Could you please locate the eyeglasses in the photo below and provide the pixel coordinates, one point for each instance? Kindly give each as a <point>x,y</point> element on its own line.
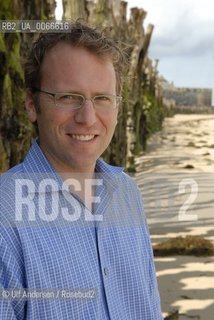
<point>74,101</point>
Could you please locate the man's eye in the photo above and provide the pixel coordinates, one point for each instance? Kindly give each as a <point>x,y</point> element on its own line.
<point>70,98</point>
<point>102,98</point>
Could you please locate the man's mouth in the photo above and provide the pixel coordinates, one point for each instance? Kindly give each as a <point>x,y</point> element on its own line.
<point>83,137</point>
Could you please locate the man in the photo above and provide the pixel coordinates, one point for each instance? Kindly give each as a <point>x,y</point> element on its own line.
<point>72,226</point>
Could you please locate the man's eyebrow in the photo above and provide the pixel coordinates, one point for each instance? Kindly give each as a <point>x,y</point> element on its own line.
<point>96,93</point>
<point>67,91</point>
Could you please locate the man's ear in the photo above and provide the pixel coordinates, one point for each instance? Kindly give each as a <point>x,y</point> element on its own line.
<point>30,107</point>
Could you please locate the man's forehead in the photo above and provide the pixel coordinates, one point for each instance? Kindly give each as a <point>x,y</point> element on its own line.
<point>60,53</point>
<point>60,47</point>
<point>65,47</point>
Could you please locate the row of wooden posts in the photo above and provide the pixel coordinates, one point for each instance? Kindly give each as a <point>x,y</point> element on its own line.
<point>142,110</point>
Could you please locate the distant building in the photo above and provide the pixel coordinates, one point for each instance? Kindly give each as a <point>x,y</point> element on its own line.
<point>174,96</point>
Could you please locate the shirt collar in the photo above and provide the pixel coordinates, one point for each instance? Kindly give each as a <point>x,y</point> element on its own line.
<point>37,167</point>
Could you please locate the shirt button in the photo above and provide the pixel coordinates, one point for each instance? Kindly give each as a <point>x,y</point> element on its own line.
<point>106,271</point>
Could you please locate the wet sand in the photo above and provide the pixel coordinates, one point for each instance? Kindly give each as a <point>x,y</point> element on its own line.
<point>176,176</point>
<point>185,140</point>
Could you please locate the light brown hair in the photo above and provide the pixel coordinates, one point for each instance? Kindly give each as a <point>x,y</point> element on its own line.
<point>79,35</point>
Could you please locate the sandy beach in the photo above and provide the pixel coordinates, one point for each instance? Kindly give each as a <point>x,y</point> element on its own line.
<point>176,176</point>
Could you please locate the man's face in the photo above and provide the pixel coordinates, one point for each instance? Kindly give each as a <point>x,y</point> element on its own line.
<point>73,140</point>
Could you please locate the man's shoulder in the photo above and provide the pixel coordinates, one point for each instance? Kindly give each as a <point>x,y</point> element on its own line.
<point>118,176</point>
<point>8,178</point>
<point>9,175</point>
<point>130,184</point>
<point>104,167</point>
<point>15,169</point>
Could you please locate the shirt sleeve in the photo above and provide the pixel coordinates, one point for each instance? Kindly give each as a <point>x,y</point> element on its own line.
<point>153,284</point>
<point>10,278</point>
<point>154,291</point>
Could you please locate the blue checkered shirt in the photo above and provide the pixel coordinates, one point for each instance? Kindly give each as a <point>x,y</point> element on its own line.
<point>92,270</point>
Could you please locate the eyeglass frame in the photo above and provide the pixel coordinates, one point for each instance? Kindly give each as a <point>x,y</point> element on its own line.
<point>118,99</point>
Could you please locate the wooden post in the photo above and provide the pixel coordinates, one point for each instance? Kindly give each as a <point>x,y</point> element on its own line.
<point>74,9</point>
<point>15,129</point>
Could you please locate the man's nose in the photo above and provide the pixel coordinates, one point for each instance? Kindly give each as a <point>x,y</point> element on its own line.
<point>86,114</point>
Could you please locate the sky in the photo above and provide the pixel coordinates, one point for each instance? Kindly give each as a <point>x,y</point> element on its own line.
<point>183,40</point>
